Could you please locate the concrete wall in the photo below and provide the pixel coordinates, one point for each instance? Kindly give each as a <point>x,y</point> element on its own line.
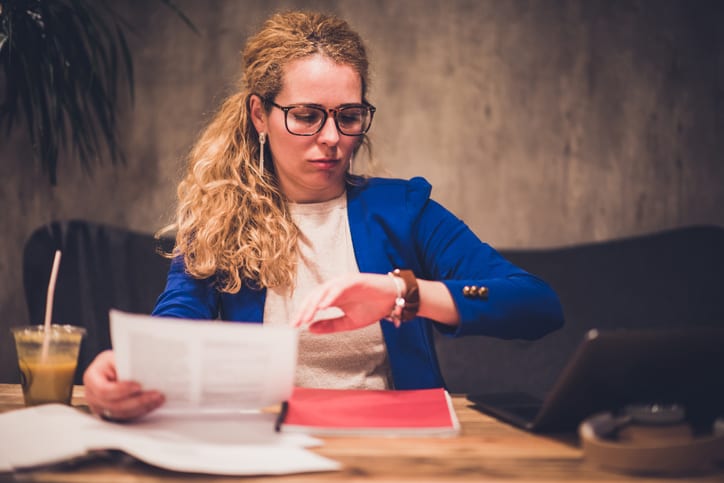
<point>541,123</point>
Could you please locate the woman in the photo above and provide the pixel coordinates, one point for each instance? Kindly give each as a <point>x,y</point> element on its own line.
<point>273,227</point>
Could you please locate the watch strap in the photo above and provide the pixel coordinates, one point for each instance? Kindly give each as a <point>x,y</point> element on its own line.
<point>411,295</point>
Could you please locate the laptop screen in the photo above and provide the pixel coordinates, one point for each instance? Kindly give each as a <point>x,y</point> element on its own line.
<point>613,368</point>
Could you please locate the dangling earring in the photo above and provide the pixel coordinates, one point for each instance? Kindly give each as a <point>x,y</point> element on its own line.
<point>349,168</point>
<point>262,142</point>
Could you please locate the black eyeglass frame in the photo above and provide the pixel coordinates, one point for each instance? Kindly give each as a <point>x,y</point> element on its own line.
<point>325,112</point>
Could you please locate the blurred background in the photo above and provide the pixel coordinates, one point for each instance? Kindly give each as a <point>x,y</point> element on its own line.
<point>540,123</point>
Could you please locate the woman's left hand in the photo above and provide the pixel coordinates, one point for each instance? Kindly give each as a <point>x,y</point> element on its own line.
<point>364,299</point>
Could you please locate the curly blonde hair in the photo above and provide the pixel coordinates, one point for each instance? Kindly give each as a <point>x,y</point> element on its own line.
<point>232,220</point>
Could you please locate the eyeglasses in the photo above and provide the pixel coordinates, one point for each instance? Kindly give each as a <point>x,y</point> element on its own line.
<point>308,119</point>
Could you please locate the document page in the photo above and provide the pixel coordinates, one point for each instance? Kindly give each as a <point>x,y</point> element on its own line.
<point>206,366</point>
<point>220,444</point>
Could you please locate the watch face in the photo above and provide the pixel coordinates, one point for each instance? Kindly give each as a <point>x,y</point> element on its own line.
<point>655,413</point>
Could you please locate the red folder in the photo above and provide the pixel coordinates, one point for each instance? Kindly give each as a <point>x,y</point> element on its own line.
<point>419,412</point>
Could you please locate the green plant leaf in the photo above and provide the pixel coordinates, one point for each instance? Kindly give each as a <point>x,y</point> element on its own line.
<point>62,60</point>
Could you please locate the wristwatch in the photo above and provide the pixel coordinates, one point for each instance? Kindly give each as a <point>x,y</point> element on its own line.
<point>407,303</point>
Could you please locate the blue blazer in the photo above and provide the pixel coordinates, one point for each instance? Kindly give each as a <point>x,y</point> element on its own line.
<point>395,224</point>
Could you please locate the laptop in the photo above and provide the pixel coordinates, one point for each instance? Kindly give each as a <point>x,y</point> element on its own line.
<point>613,368</point>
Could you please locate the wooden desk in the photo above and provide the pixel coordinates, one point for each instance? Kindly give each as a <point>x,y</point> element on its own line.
<point>486,450</point>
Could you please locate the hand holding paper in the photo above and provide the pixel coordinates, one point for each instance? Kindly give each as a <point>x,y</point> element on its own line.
<point>205,366</point>
<point>114,399</point>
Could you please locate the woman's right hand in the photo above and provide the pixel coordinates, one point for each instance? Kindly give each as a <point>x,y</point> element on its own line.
<point>113,399</point>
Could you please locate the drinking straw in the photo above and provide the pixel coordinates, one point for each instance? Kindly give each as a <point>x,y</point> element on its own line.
<point>49,304</point>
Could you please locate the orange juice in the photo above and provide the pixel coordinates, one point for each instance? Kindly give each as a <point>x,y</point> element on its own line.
<point>47,382</point>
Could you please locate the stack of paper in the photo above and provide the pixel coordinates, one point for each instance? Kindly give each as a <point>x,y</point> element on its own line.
<point>241,444</point>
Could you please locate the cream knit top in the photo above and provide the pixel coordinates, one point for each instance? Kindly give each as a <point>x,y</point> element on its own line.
<point>345,360</point>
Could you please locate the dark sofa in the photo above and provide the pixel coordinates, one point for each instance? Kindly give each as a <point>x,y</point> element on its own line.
<point>673,278</point>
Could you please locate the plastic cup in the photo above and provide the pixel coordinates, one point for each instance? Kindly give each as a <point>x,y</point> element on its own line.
<point>47,373</point>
